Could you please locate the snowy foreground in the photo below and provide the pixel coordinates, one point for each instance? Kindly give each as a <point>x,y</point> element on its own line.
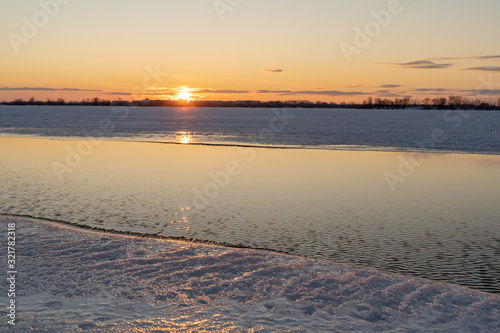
<point>73,280</point>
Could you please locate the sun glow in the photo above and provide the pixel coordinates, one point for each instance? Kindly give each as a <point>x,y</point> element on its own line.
<point>184,95</point>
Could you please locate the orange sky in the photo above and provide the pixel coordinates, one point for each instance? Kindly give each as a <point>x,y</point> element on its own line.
<point>327,50</point>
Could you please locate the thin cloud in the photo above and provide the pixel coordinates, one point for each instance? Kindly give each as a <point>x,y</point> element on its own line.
<point>389,94</point>
<point>274,70</point>
<point>221,91</point>
<point>483,92</point>
<point>431,90</point>
<point>333,93</point>
<point>161,91</point>
<point>118,93</point>
<point>45,89</point>
<point>484,69</point>
<point>155,92</point>
<point>274,92</point>
<point>443,91</point>
<point>488,57</point>
<point>494,57</point>
<point>420,64</point>
<point>391,86</point>
<point>436,91</point>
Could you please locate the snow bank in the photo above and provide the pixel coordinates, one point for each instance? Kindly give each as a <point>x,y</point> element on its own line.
<point>73,280</point>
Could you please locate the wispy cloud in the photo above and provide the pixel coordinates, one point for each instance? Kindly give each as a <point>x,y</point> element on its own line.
<point>431,90</point>
<point>435,63</point>
<point>118,93</point>
<point>484,69</point>
<point>220,91</point>
<point>274,70</point>
<point>390,94</point>
<point>156,91</point>
<point>419,64</point>
<point>493,57</point>
<point>468,92</point>
<point>391,86</point>
<point>312,92</point>
<point>487,57</point>
<point>274,92</point>
<point>331,93</point>
<point>175,91</point>
<point>45,89</point>
<point>483,92</point>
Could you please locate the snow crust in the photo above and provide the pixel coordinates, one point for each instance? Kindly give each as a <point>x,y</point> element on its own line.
<point>71,280</point>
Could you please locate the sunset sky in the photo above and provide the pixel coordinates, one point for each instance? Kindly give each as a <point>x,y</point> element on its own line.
<point>249,49</point>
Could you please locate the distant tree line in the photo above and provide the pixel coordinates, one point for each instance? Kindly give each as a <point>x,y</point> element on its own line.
<point>440,103</point>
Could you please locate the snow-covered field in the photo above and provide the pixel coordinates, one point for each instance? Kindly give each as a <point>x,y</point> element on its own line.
<point>71,280</point>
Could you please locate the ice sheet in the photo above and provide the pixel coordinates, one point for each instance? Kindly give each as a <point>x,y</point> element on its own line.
<point>468,131</point>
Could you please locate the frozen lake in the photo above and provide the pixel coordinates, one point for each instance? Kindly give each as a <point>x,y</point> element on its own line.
<point>423,130</point>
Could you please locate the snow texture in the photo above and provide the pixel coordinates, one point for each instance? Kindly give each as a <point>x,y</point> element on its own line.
<point>71,280</point>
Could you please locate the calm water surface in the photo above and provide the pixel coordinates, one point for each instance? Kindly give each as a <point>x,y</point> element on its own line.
<point>440,222</point>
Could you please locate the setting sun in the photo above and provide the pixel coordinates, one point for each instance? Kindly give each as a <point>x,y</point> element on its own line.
<point>184,95</point>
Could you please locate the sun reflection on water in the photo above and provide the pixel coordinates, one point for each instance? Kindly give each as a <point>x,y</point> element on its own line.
<point>184,138</point>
